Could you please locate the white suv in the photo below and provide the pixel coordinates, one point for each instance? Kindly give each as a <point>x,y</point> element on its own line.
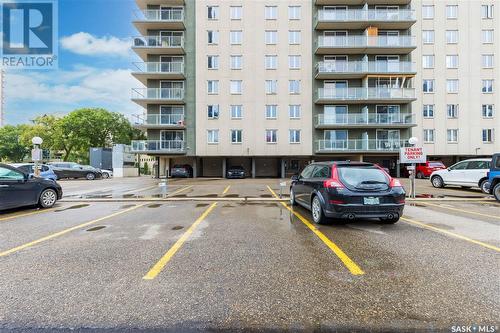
<point>468,173</point>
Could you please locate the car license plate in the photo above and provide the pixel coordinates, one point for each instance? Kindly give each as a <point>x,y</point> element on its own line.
<point>371,201</point>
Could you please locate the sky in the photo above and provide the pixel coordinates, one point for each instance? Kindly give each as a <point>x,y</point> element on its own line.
<point>95,60</point>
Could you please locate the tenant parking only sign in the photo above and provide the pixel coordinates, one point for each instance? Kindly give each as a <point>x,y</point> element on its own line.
<point>410,155</point>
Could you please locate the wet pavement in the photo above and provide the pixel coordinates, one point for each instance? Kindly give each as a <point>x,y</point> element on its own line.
<point>235,266</point>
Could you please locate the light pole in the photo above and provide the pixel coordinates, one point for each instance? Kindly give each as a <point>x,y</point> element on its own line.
<point>413,141</point>
<point>36,154</point>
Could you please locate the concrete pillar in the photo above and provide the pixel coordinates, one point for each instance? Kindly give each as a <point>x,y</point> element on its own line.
<point>283,174</point>
<point>157,171</point>
<point>224,166</point>
<point>167,167</point>
<point>253,167</point>
<point>195,167</point>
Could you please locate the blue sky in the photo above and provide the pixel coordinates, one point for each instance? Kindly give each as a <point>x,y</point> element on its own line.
<point>94,64</point>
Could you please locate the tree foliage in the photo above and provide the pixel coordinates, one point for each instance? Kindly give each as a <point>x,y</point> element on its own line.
<point>12,147</point>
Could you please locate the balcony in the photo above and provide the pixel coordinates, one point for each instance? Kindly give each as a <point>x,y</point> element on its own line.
<point>364,18</point>
<point>145,3</point>
<point>158,147</point>
<point>145,96</point>
<point>360,145</point>
<point>365,120</point>
<point>158,70</point>
<point>160,45</point>
<point>359,2</point>
<point>160,121</point>
<point>326,70</point>
<point>361,44</point>
<point>365,95</point>
<point>157,19</point>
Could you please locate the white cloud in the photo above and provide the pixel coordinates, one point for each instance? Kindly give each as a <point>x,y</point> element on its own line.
<point>84,43</point>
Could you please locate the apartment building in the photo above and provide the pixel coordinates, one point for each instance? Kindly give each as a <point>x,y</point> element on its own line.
<point>458,77</point>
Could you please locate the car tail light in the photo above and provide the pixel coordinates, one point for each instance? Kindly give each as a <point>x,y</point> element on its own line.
<point>337,202</point>
<point>395,183</point>
<point>401,201</point>
<point>334,181</point>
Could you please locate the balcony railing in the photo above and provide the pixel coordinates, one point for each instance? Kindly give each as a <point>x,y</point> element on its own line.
<point>160,67</point>
<point>360,145</point>
<point>366,93</point>
<point>162,120</point>
<point>159,41</point>
<point>161,15</point>
<point>330,67</point>
<point>174,146</point>
<point>366,119</point>
<point>366,41</point>
<point>158,93</point>
<point>351,15</point>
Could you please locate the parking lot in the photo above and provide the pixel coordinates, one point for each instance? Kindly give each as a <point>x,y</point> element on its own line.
<point>216,254</point>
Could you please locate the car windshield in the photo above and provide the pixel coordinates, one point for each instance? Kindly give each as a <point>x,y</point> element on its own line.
<point>177,166</point>
<point>436,164</point>
<point>362,177</point>
<point>236,168</point>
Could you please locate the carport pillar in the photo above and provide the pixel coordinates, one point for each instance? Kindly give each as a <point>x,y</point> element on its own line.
<point>224,165</point>
<point>253,167</point>
<point>195,168</point>
<point>283,168</point>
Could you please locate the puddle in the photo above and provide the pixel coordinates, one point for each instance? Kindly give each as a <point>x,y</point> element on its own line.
<point>177,227</point>
<point>128,196</point>
<point>72,207</point>
<point>209,196</point>
<point>266,196</point>
<point>96,228</point>
<point>154,206</point>
<point>411,204</point>
<point>271,205</point>
<point>179,196</point>
<point>126,206</point>
<point>228,206</point>
<point>441,226</point>
<point>232,196</point>
<point>201,205</point>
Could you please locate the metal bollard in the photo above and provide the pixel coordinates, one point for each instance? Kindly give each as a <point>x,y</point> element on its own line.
<point>282,186</point>
<point>163,188</point>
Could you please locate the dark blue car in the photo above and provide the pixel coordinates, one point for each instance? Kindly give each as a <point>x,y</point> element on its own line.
<point>494,176</point>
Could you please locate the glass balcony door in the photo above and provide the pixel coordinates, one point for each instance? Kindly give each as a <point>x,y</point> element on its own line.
<point>335,114</point>
<point>387,12</point>
<point>388,63</point>
<point>171,38</point>
<point>172,140</point>
<point>171,115</point>
<point>388,139</point>
<point>388,37</point>
<point>169,64</point>
<point>336,37</point>
<point>388,114</point>
<point>335,13</point>
<point>336,139</point>
<point>335,89</point>
<point>171,89</point>
<point>336,63</point>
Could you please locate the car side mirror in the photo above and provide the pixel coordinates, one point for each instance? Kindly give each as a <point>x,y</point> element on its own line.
<point>295,178</point>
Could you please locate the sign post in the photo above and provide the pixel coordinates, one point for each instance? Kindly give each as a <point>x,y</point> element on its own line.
<point>412,155</point>
<point>36,154</point>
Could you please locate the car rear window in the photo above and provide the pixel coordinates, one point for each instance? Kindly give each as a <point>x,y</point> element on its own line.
<point>363,178</point>
<point>436,164</point>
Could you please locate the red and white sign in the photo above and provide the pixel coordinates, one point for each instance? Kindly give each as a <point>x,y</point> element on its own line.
<point>409,155</point>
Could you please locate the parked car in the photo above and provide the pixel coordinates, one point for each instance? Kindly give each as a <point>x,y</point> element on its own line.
<point>19,189</point>
<point>468,173</point>
<point>74,170</point>
<point>182,171</point>
<point>424,170</point>
<point>348,190</point>
<point>46,171</point>
<point>236,172</point>
<point>106,173</point>
<point>494,177</point>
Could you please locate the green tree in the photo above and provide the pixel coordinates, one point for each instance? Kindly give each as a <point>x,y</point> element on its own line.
<point>12,147</point>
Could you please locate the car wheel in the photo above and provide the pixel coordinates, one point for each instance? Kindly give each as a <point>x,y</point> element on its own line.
<point>496,191</point>
<point>317,211</point>
<point>292,198</point>
<point>437,181</point>
<point>48,198</point>
<point>389,221</point>
<point>483,186</point>
<point>105,175</point>
<point>90,176</point>
<point>420,175</point>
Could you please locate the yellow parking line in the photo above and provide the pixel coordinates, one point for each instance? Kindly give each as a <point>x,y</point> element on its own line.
<point>180,190</point>
<point>65,231</point>
<point>158,267</point>
<point>226,189</point>
<point>449,233</point>
<point>10,217</point>
<point>351,265</point>
<point>461,210</point>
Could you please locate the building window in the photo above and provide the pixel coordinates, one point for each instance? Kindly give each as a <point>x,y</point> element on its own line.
<point>487,11</point>
<point>428,61</point>
<point>213,62</point>
<point>271,111</point>
<point>294,111</point>
<point>427,12</point>
<point>487,110</point>
<point>213,136</point>
<point>428,111</point>
<point>452,135</point>
<point>271,62</point>
<point>294,12</point>
<point>487,36</point>
<point>452,36</point>
<point>487,60</point>
<point>213,12</point>
<point>236,12</point>
<point>294,136</point>
<point>236,136</point>
<point>294,86</point>
<point>451,11</point>
<point>294,37</point>
<point>428,86</point>
<point>235,37</point>
<point>487,86</point>
<point>213,37</point>
<point>452,110</point>
<point>213,87</point>
<point>236,62</point>
<point>452,86</point>
<point>428,135</point>
<point>452,61</point>
<point>271,37</point>
<point>271,87</point>
<point>294,62</point>
<point>271,13</point>
<point>235,87</point>
<point>271,136</point>
<point>236,111</point>
<point>488,135</point>
<point>213,111</point>
<point>428,36</point>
